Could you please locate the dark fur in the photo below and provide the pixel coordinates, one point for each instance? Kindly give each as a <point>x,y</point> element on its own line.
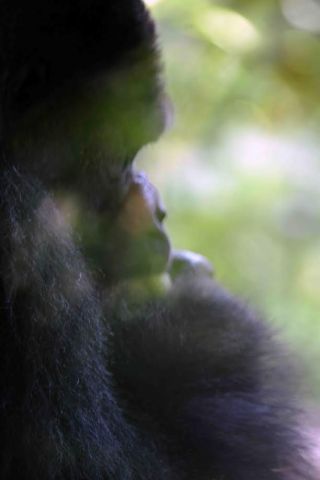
<point>200,369</point>
<point>58,416</point>
<point>189,387</point>
<point>55,43</point>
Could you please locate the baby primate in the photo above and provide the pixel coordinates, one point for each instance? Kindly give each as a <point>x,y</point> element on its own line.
<point>187,385</point>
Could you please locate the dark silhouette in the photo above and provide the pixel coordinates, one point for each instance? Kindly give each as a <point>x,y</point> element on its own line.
<point>94,384</point>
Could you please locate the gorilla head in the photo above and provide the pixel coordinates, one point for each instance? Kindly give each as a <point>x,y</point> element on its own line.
<point>81,94</point>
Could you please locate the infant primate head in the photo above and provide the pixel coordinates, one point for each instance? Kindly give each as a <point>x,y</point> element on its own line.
<point>80,99</point>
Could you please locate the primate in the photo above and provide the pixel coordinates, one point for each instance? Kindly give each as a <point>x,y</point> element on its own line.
<point>95,384</point>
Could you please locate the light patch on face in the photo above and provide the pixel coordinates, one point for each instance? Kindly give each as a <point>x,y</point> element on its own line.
<point>139,211</point>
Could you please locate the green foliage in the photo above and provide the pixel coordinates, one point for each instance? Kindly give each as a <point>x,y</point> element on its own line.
<point>240,169</point>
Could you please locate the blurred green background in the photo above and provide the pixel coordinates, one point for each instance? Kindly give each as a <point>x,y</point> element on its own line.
<point>240,167</point>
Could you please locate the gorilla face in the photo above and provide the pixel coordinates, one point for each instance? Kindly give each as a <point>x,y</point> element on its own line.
<point>131,243</point>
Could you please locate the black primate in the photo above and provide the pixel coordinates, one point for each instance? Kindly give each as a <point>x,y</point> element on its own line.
<point>205,373</point>
<point>188,385</point>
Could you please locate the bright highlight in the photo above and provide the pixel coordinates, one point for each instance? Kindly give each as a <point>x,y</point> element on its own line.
<point>229,30</point>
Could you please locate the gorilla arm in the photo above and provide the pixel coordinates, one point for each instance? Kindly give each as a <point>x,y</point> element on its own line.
<point>203,371</point>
